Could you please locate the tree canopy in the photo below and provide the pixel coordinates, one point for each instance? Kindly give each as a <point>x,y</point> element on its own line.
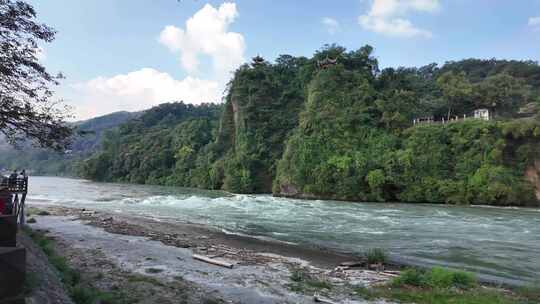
<point>343,130</point>
<point>27,109</point>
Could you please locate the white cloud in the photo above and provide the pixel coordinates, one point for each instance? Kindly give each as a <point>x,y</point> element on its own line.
<point>534,21</point>
<point>331,24</point>
<point>388,17</point>
<point>139,90</point>
<point>207,33</point>
<point>393,27</point>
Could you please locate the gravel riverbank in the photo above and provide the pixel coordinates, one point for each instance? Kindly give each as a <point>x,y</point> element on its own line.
<point>113,247</point>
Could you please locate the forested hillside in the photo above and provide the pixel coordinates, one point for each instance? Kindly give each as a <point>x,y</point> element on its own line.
<point>336,126</point>
<point>146,149</point>
<point>87,138</point>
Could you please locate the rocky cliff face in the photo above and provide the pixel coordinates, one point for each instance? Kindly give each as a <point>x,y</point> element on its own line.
<point>533,175</point>
<point>259,113</point>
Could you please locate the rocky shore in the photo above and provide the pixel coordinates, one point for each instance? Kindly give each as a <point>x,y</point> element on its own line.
<point>112,248</point>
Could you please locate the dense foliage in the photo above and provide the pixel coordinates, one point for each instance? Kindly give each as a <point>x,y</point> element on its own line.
<point>262,107</point>
<point>27,110</point>
<point>316,128</point>
<point>145,149</point>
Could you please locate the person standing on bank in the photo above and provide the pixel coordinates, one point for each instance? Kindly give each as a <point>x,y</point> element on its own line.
<point>13,178</point>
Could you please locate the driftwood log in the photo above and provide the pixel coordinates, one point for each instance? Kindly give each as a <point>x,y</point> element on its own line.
<point>392,274</point>
<point>351,264</point>
<point>320,299</point>
<point>213,261</point>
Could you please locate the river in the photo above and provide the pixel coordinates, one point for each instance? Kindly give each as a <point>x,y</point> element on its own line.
<point>501,244</point>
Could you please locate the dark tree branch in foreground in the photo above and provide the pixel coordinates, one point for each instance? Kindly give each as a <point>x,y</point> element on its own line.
<point>27,110</point>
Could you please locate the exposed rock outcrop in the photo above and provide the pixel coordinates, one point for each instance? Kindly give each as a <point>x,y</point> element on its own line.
<point>533,175</point>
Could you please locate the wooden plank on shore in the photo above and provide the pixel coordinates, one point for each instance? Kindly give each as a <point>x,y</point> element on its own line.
<point>213,261</point>
<point>351,264</point>
<point>381,273</point>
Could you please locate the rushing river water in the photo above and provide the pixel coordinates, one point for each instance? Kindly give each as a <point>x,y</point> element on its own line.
<point>498,243</point>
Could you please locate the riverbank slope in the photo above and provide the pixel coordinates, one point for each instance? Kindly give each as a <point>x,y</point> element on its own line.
<point>112,247</point>
<point>129,259</point>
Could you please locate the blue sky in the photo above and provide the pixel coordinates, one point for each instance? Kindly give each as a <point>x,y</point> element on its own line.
<point>130,55</point>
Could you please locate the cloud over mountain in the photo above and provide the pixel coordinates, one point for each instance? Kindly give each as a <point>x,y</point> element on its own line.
<point>140,90</point>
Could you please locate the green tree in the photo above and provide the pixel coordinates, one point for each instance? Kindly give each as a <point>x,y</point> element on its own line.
<point>501,93</point>
<point>27,110</point>
<point>457,91</point>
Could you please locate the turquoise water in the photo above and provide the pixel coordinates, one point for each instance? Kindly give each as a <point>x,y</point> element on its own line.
<point>500,244</point>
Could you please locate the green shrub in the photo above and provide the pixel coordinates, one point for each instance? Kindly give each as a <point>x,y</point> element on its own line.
<point>437,278</point>
<point>441,296</point>
<point>440,278</point>
<point>410,277</point>
<point>464,280</point>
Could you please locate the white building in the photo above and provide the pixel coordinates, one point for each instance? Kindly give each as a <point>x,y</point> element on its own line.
<point>481,114</point>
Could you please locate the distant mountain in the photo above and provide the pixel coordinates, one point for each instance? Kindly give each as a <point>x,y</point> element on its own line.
<point>91,130</point>
<point>40,161</point>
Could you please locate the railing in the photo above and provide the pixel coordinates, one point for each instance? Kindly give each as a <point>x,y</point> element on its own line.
<point>12,257</point>
<point>14,185</point>
<point>431,120</point>
<point>13,192</point>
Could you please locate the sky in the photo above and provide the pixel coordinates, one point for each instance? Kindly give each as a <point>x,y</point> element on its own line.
<point>120,55</point>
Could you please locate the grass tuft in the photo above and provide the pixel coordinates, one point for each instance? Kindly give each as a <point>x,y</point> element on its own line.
<point>445,286</point>
<point>376,256</point>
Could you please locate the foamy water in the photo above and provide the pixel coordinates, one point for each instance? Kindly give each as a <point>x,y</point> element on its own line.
<point>498,243</point>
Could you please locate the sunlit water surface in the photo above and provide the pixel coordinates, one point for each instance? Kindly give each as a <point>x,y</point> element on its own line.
<point>501,244</point>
